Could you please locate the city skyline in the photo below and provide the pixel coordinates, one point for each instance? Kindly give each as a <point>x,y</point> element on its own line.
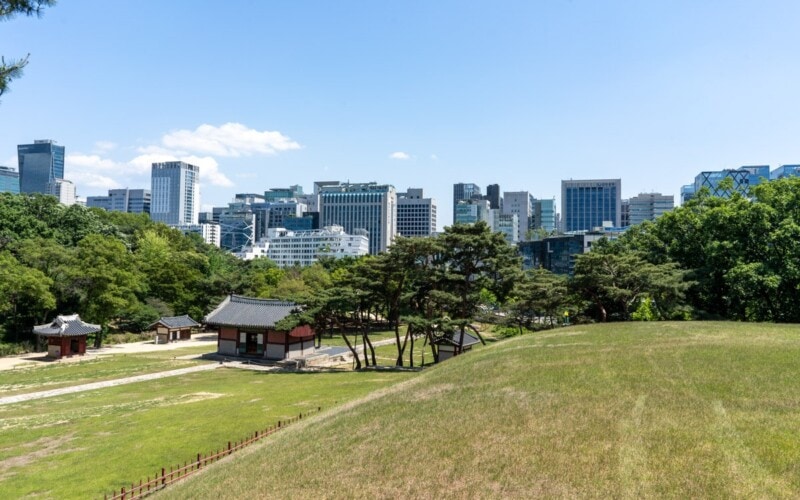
<point>523,95</point>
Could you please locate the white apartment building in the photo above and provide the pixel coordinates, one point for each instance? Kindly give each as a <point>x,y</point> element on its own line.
<point>210,231</point>
<point>288,248</point>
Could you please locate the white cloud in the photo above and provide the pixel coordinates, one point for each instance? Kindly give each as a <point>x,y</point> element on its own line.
<point>10,162</point>
<point>230,139</point>
<point>209,168</point>
<point>92,180</point>
<point>434,157</point>
<point>82,163</point>
<point>399,155</point>
<point>143,163</point>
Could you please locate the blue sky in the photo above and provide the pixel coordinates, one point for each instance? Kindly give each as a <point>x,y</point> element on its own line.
<point>423,94</point>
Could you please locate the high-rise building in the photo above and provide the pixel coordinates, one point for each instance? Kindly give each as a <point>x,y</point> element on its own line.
<point>64,190</point>
<point>687,193</point>
<point>464,192</point>
<point>366,206</point>
<point>237,224</point>
<point>134,201</point>
<point>649,206</point>
<point>625,213</point>
<point>544,214</point>
<point>175,193</point>
<point>416,215</point>
<point>9,180</point>
<point>40,164</point>
<point>472,211</point>
<point>587,204</point>
<point>519,203</point>
<point>506,224</point>
<point>209,231</point>
<point>743,179</point>
<point>493,196</point>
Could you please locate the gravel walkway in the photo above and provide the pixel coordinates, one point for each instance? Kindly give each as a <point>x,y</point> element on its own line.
<point>108,383</point>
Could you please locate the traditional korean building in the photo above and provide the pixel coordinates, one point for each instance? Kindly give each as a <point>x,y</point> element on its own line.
<point>66,335</point>
<point>170,328</point>
<point>246,327</point>
<point>453,345</point>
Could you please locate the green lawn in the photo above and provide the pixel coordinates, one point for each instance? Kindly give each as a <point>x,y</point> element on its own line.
<point>677,410</point>
<point>84,445</point>
<point>45,375</point>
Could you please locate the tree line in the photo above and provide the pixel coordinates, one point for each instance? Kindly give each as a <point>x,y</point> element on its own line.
<point>734,258</point>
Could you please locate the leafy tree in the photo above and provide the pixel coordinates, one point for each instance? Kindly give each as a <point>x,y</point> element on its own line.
<point>539,295</point>
<point>107,281</point>
<point>55,261</point>
<point>613,279</point>
<point>24,295</point>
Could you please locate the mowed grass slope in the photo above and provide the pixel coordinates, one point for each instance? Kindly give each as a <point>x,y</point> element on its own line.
<point>620,410</point>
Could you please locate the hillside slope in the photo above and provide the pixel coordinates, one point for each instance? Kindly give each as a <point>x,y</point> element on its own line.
<point>622,410</point>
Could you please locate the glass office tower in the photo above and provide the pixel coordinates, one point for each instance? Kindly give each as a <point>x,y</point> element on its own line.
<point>9,180</point>
<point>587,204</point>
<point>40,165</point>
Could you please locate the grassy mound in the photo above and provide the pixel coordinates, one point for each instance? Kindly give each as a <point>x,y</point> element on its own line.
<point>620,410</point>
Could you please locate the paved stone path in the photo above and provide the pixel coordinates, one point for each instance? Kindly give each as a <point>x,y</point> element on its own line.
<point>107,383</point>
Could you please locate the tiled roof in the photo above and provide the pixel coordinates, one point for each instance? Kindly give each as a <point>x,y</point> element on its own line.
<point>176,322</point>
<point>247,312</point>
<point>456,337</point>
<point>66,326</point>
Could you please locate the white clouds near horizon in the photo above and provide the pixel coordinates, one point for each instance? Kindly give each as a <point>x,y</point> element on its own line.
<point>399,155</point>
<point>230,139</point>
<point>209,168</point>
<point>198,147</point>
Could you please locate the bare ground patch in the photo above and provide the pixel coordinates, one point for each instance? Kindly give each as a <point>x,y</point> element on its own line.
<point>41,448</point>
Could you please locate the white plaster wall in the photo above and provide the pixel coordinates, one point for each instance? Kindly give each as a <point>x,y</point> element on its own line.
<point>227,347</point>
<point>274,351</point>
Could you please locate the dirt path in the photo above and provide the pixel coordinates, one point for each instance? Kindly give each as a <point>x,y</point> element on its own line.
<point>31,359</point>
<point>108,383</point>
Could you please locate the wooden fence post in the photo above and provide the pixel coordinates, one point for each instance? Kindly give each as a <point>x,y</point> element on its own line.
<point>163,477</point>
<point>198,460</point>
<point>122,492</point>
